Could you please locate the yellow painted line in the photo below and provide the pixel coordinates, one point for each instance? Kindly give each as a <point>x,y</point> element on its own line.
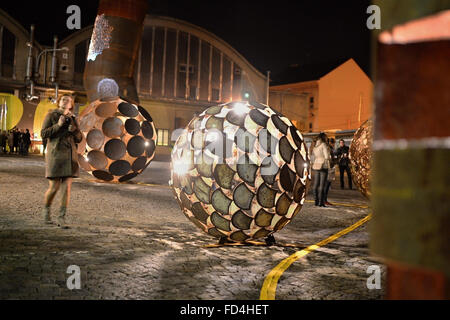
<point>269,286</point>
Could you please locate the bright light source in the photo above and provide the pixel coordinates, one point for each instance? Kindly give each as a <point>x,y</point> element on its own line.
<point>180,167</point>
<point>240,108</point>
<point>146,143</point>
<point>305,165</point>
<point>87,159</point>
<point>246,95</point>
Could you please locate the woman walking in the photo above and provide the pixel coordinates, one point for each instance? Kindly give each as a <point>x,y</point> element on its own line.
<point>331,171</point>
<point>61,129</point>
<point>320,166</point>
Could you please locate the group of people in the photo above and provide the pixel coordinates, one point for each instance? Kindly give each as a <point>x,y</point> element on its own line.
<point>15,141</point>
<point>324,159</point>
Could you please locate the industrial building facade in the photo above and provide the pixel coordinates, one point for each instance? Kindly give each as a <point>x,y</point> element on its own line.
<point>181,69</point>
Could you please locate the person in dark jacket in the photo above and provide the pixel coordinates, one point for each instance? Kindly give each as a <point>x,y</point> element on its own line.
<point>61,129</point>
<point>16,137</point>
<point>344,163</point>
<point>27,141</point>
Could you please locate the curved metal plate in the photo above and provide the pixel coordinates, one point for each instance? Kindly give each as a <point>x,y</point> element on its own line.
<point>84,164</point>
<point>299,191</point>
<point>220,222</point>
<point>267,141</point>
<point>220,201</point>
<point>247,169</point>
<point>279,124</point>
<point>243,197</point>
<point>139,163</point>
<point>128,177</point>
<point>241,221</point>
<point>214,123</point>
<point>287,178</point>
<point>97,159</point>
<point>300,163</point>
<point>258,117</point>
<point>297,140</point>
<point>199,212</point>
<point>261,234</point>
<point>127,109</point>
<point>88,122</point>
<point>145,114</point>
<point>213,110</point>
<point>136,146</point>
<point>281,223</point>
<point>115,149</point>
<point>263,218</point>
<point>132,126</point>
<point>286,150</point>
<point>150,148</point>
<point>95,139</point>
<point>112,127</point>
<point>204,165</point>
<point>223,175</point>
<point>106,109</point>
<point>147,130</point>
<point>119,167</point>
<point>235,118</point>
<point>102,175</point>
<point>201,190</point>
<point>283,204</point>
<point>266,196</point>
<point>269,170</point>
<point>238,236</point>
<point>244,140</point>
<point>214,232</point>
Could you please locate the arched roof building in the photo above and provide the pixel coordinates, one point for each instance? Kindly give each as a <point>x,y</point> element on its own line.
<point>180,70</point>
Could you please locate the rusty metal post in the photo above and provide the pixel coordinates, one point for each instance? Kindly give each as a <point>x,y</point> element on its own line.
<point>411,175</point>
<point>112,52</point>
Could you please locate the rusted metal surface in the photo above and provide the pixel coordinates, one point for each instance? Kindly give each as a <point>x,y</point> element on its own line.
<point>410,188</point>
<point>113,49</point>
<point>360,154</point>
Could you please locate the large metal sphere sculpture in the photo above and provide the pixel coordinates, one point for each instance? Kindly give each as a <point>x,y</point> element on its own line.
<point>118,140</point>
<point>360,155</point>
<point>239,171</point>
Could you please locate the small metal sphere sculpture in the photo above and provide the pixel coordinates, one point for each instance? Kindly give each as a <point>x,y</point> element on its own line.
<point>360,155</point>
<point>240,170</point>
<point>118,140</point>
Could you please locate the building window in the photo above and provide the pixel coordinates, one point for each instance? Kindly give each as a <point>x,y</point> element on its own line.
<point>7,51</point>
<point>310,127</point>
<point>311,100</point>
<point>163,137</point>
<point>182,68</point>
<point>215,94</point>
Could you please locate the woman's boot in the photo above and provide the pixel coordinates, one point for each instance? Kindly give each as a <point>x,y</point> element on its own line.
<point>46,214</point>
<point>62,219</point>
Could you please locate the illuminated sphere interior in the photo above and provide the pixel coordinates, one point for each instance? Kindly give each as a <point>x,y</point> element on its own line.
<point>239,171</point>
<point>118,140</point>
<point>360,155</point>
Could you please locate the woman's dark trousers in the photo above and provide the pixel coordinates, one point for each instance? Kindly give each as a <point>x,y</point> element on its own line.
<point>320,177</point>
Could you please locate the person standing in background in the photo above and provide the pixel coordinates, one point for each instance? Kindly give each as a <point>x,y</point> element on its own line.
<point>331,171</point>
<point>320,166</point>
<point>344,162</point>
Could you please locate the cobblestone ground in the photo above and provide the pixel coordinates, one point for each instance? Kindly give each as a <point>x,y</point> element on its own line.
<point>132,242</point>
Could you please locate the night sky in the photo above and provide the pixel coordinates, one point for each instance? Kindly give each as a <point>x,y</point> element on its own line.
<point>271,35</point>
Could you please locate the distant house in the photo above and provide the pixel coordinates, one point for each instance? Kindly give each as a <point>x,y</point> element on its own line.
<point>339,95</point>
